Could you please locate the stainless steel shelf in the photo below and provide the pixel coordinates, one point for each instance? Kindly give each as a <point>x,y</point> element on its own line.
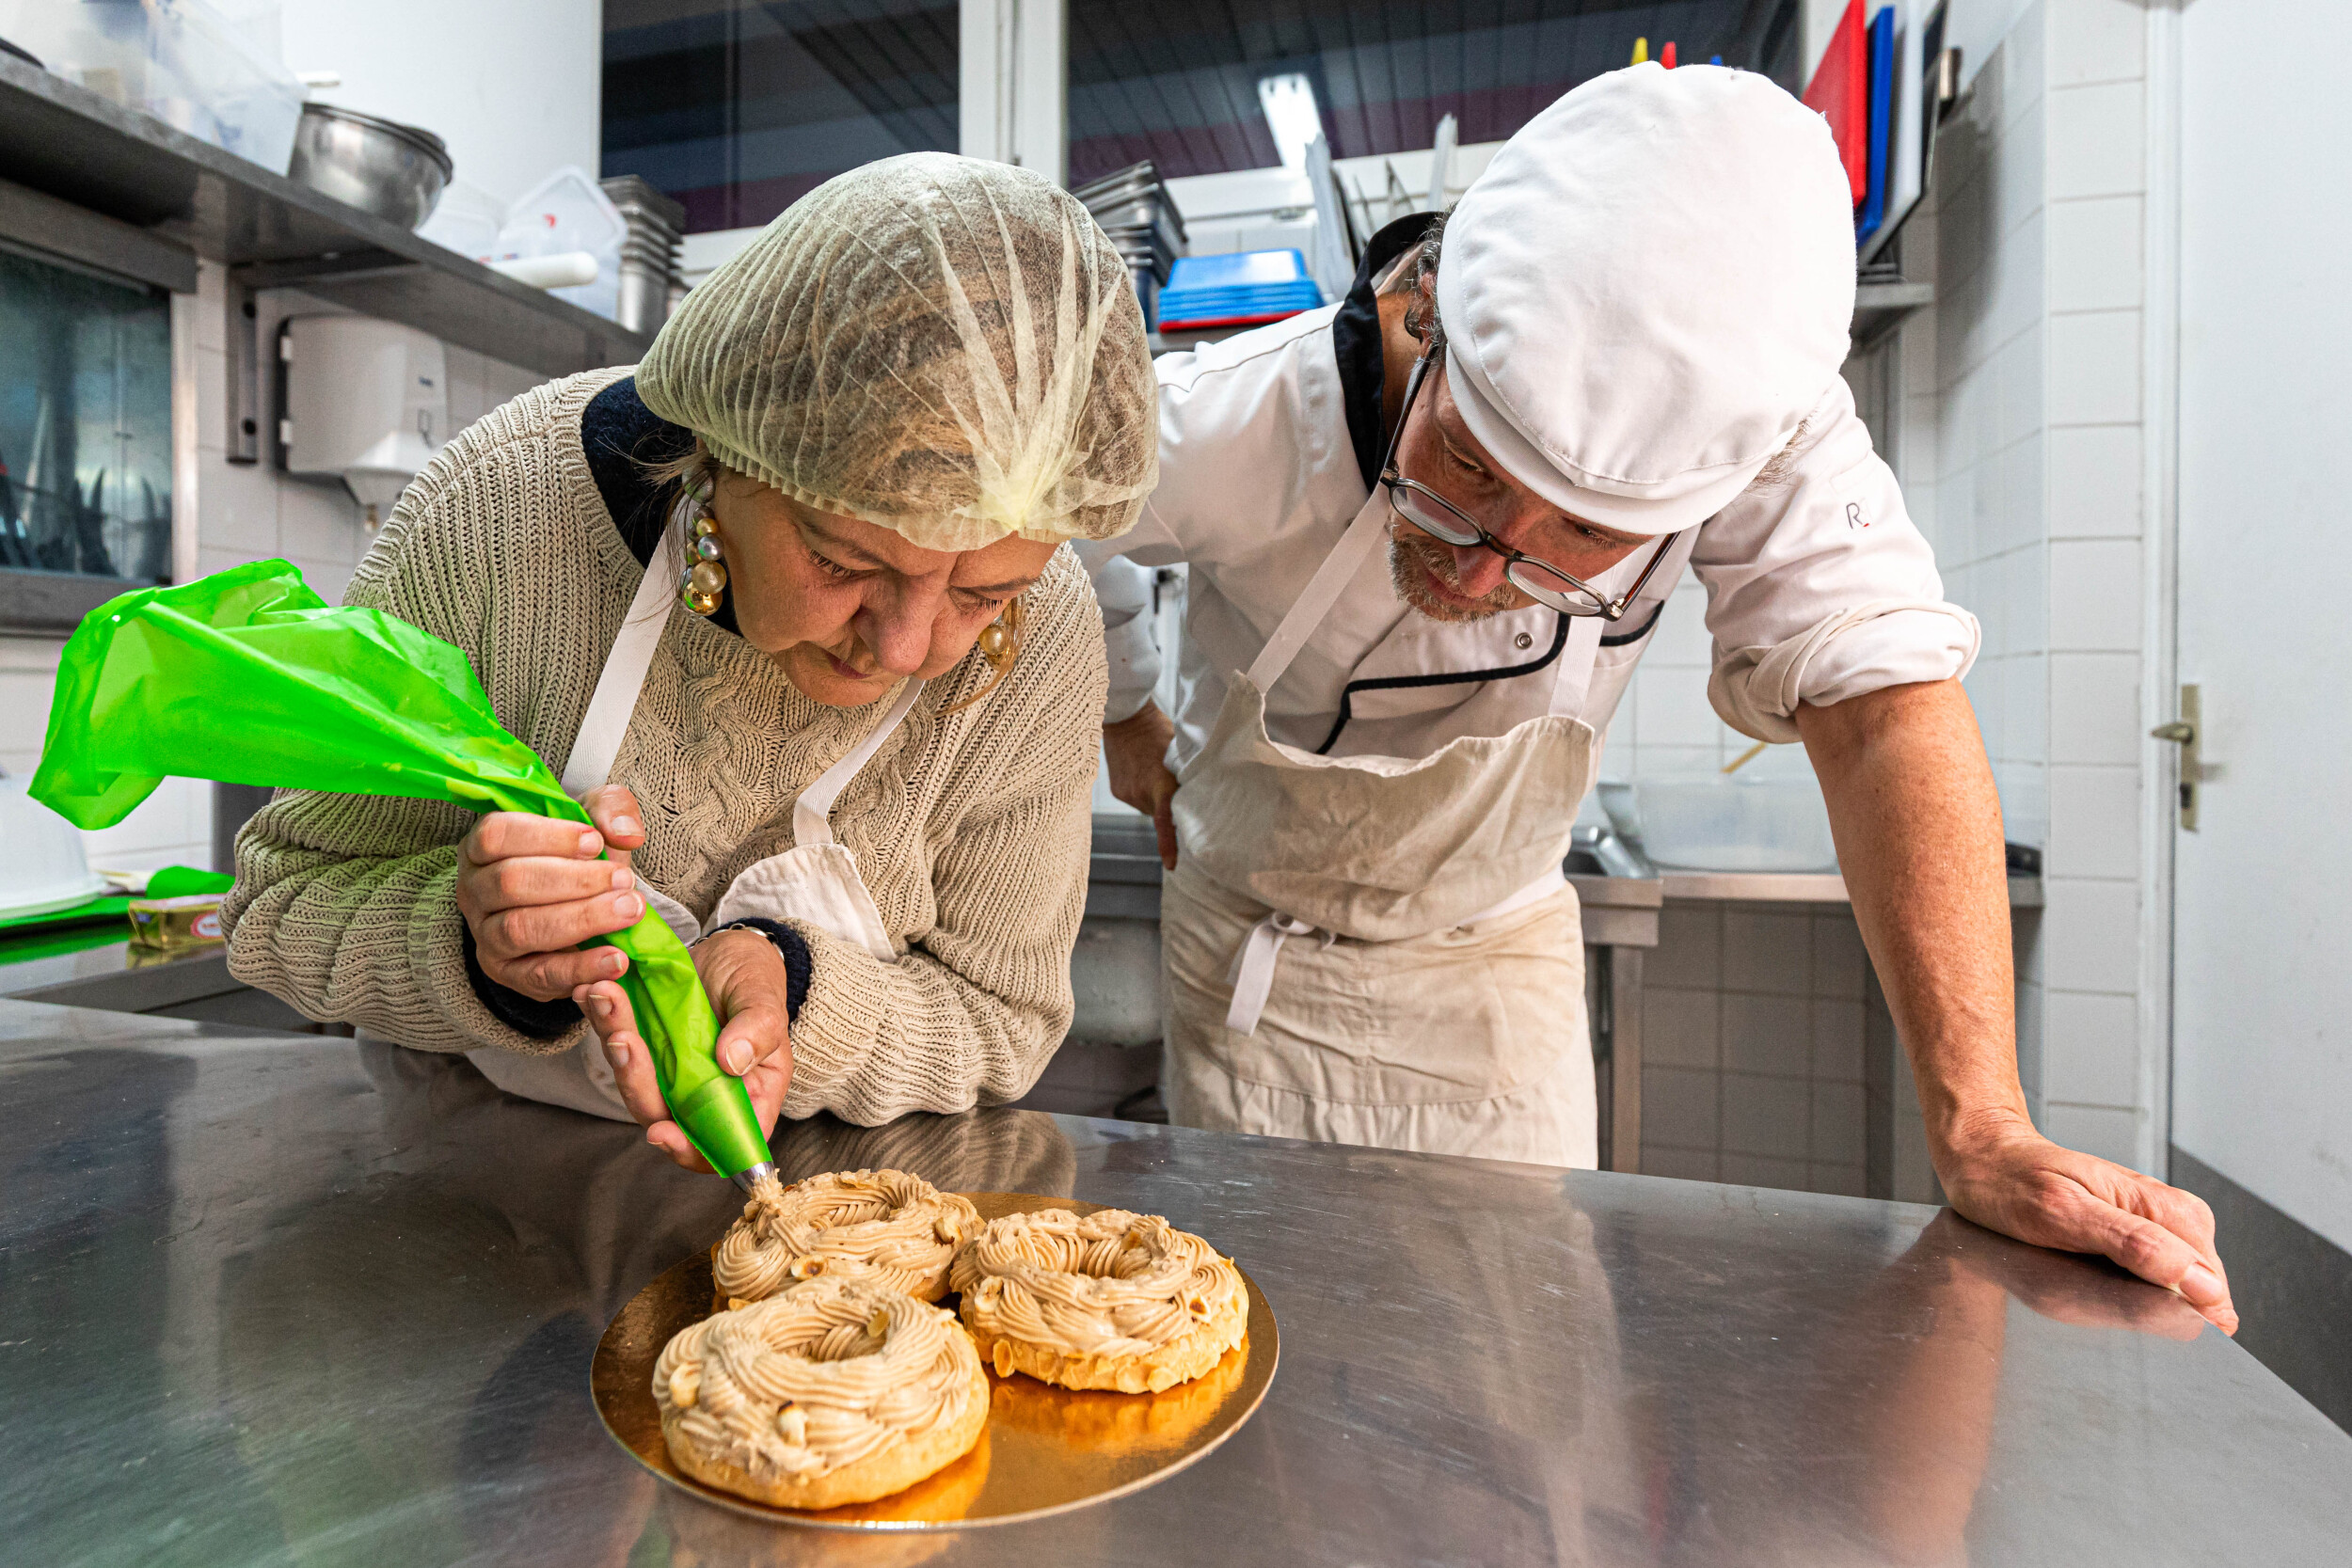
<point>1879,308</point>
<point>1123,872</point>
<point>69,143</point>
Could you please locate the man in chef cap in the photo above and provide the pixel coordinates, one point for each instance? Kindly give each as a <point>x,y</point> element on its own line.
<point>1430,530</point>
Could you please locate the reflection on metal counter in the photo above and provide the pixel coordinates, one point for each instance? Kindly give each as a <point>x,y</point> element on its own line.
<point>312,1297</point>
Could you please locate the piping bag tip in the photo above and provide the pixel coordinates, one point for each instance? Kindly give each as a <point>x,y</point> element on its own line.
<point>747,1179</point>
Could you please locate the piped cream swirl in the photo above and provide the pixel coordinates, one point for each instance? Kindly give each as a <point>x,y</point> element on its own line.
<point>887,1224</point>
<point>1109,1284</point>
<point>822,1376</point>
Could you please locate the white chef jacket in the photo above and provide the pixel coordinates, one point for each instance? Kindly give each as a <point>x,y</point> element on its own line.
<point>1819,587</point>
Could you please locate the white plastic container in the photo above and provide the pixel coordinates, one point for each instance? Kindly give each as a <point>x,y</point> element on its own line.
<point>44,869</point>
<point>468,220</point>
<point>255,102</point>
<point>1767,816</point>
<point>180,60</point>
<point>568,211</point>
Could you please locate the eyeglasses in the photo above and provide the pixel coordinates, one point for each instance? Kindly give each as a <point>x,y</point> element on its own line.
<point>1540,581</point>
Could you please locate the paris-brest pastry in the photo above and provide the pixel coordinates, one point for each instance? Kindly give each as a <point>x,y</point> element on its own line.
<point>888,1224</point>
<point>1107,1300</point>
<point>838,1390</point>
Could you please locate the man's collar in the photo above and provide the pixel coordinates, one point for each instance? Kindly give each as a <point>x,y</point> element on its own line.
<point>1355,340</point>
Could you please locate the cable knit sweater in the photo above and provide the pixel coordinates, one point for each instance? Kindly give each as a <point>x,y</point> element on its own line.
<point>971,831</point>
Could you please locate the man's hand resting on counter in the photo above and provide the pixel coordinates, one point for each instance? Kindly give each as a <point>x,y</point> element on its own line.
<point>2008,1178</point>
<point>1919,828</point>
<point>745,977</point>
<point>1135,751</point>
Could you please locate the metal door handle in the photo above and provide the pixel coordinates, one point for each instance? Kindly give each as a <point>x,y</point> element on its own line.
<point>2182,732</point>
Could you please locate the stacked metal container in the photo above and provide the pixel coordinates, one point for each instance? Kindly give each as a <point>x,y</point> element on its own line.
<point>1136,210</point>
<point>650,254</point>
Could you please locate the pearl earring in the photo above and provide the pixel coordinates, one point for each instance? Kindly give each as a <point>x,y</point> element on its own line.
<point>999,642</point>
<point>703,586</point>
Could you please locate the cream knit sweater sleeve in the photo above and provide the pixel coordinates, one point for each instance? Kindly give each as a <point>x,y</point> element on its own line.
<point>345,906</point>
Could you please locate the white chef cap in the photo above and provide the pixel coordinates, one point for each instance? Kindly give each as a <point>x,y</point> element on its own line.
<point>1647,290</point>
<point>948,347</point>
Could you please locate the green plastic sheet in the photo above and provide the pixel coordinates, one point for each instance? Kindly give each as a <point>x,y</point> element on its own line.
<point>248,677</point>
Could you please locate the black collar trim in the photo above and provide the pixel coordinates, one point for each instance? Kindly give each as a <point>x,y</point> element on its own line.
<point>1618,639</point>
<point>619,434</point>
<point>1456,677</point>
<point>1450,677</point>
<point>1356,340</point>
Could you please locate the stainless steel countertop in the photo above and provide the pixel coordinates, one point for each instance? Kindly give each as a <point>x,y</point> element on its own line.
<point>1797,887</point>
<point>275,1299</point>
<point>134,979</point>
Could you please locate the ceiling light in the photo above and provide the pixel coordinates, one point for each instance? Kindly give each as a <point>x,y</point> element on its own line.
<point>1290,109</point>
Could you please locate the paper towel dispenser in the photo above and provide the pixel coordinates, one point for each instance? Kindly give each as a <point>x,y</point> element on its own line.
<point>366,401</point>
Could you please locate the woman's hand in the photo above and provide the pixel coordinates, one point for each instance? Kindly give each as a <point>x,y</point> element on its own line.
<point>744,974</point>
<point>1134,750</point>
<point>532,890</point>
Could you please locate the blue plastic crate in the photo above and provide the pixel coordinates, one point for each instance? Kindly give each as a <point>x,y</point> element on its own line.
<point>1244,289</point>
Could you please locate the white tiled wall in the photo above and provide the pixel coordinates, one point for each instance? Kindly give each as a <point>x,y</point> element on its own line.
<point>241,513</point>
<point>1665,724</point>
<point>2011,411</point>
<point>2042,185</point>
<point>251,512</point>
<point>1990,329</point>
<point>2095,1084</point>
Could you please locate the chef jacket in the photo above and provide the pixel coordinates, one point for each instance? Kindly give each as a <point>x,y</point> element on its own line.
<point>1819,588</point>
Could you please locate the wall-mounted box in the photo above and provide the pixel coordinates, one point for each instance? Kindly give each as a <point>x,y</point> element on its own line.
<point>367,403</point>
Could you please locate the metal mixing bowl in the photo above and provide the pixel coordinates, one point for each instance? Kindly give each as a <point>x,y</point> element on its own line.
<point>378,166</point>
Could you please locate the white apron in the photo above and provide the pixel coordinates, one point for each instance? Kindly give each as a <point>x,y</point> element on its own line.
<point>1382,950</point>
<point>816,880</point>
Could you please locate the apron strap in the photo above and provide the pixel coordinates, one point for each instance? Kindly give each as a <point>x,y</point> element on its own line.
<point>810,813</point>
<point>1252,975</point>
<point>1572,682</point>
<point>1322,590</point>
<point>601,729</point>
<point>614,700</point>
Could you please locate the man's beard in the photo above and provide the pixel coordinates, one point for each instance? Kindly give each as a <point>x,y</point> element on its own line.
<point>1411,554</point>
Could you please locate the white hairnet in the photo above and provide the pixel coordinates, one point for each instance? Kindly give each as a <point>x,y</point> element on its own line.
<point>946,347</point>
<point>1647,290</point>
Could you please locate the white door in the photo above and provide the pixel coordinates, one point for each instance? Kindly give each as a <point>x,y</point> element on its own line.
<point>2261,1029</point>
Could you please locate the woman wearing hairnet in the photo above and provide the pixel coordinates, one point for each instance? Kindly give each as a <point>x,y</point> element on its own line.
<point>1431,530</point>
<point>788,609</point>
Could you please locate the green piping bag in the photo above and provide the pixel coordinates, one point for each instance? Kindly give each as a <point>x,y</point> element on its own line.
<point>246,676</point>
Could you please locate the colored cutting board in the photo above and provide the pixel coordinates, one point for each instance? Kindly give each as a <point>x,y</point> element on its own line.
<point>1840,93</point>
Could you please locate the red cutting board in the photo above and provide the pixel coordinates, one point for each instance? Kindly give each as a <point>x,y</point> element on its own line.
<point>1840,93</point>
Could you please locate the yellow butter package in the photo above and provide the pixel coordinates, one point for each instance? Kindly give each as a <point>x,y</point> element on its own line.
<point>165,924</point>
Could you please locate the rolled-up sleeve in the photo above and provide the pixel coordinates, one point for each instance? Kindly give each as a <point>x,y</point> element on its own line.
<point>1123,589</point>
<point>1819,587</point>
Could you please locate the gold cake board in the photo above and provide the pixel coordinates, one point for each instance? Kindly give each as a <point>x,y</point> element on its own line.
<point>1044,1450</point>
